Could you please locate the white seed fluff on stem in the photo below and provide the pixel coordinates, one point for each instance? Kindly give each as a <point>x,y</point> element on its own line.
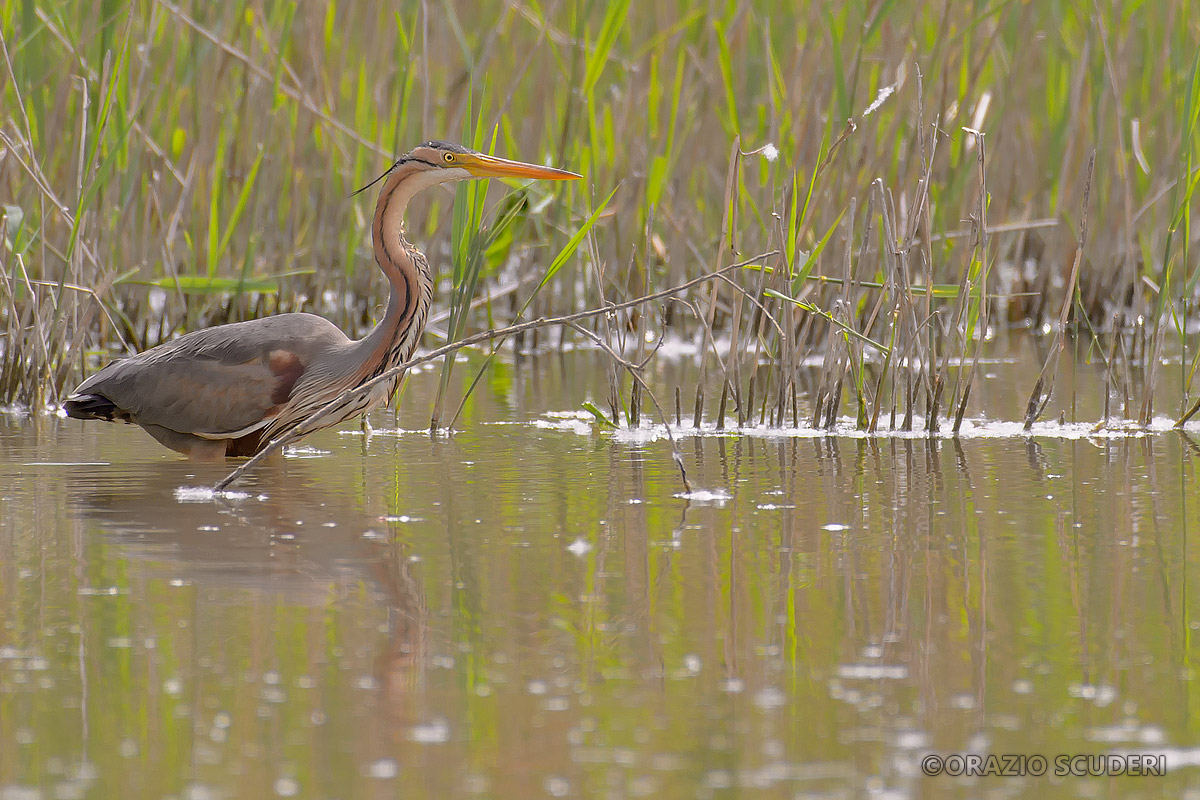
<point>883,95</point>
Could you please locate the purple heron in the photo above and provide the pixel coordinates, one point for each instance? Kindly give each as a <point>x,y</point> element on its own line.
<point>231,389</point>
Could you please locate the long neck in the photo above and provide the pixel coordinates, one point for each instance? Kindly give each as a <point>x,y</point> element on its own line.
<point>395,337</point>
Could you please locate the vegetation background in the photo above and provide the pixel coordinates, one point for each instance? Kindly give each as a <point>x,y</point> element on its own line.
<point>169,166</point>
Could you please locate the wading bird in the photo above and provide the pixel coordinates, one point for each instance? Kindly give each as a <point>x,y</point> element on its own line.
<point>231,389</point>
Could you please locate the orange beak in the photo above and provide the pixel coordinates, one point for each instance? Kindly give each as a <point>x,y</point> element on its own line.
<point>482,166</point>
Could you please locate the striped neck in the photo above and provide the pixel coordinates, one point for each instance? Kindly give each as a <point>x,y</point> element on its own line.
<point>396,336</point>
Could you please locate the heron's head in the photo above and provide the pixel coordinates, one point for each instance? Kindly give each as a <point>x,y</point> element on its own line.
<point>456,162</point>
<point>444,162</point>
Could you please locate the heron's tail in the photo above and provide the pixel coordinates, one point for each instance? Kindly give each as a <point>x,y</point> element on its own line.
<point>90,406</point>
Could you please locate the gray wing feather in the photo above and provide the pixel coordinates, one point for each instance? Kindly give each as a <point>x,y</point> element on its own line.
<point>216,382</point>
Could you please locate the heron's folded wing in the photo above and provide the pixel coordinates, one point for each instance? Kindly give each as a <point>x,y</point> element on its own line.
<point>191,394</point>
<point>217,383</point>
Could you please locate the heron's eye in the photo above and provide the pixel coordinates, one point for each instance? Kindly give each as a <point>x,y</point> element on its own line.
<point>449,158</point>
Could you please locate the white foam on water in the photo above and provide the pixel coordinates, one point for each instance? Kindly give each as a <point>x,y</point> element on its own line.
<point>846,427</point>
<point>303,451</point>
<point>871,672</point>
<point>205,494</point>
<point>576,426</point>
<point>705,496</point>
<point>383,769</point>
<point>579,547</point>
<point>436,731</point>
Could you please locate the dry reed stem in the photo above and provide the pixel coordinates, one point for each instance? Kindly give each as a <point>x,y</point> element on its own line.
<point>641,387</point>
<point>1045,380</point>
<point>714,294</point>
<point>981,243</point>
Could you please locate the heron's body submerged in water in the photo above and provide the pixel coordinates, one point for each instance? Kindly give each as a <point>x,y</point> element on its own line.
<point>231,389</point>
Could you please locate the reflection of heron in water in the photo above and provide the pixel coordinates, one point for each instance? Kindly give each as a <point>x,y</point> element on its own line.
<point>293,542</point>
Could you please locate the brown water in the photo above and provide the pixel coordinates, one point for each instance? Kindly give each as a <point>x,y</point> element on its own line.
<point>529,608</point>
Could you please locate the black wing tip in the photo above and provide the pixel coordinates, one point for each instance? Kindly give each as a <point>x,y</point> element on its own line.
<point>90,406</point>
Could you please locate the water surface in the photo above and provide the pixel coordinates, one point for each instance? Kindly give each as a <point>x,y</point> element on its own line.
<point>532,607</point>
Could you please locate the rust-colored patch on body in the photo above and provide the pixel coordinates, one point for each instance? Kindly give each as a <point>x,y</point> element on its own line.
<point>287,368</point>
